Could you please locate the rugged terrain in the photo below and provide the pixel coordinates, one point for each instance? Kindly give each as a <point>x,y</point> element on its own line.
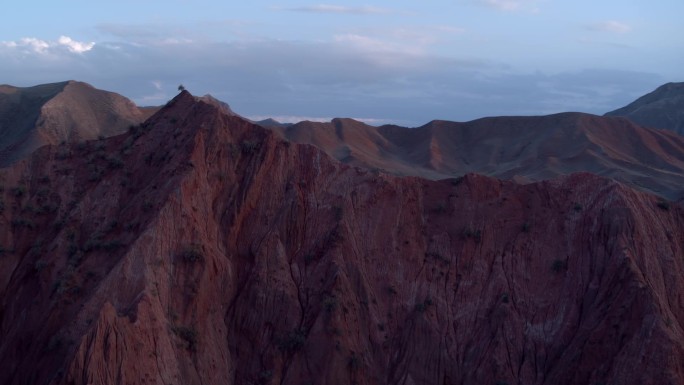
<point>198,248</point>
<point>662,108</point>
<point>519,148</point>
<point>71,111</point>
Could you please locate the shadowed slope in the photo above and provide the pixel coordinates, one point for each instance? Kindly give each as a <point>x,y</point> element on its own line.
<point>202,249</point>
<point>662,108</point>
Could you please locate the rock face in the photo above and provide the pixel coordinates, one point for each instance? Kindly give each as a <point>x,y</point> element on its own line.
<point>202,249</point>
<point>52,113</point>
<point>662,108</point>
<point>519,148</point>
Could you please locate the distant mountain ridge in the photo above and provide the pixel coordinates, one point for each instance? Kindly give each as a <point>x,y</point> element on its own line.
<point>518,148</point>
<point>662,108</point>
<point>69,111</point>
<point>523,149</point>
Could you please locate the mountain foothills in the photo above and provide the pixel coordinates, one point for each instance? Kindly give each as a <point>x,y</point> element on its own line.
<point>662,108</point>
<point>200,248</point>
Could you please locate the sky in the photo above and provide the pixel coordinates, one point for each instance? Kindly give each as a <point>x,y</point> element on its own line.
<point>402,62</point>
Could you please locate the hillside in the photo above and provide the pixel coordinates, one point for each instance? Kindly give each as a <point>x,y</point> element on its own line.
<point>516,148</point>
<point>70,111</point>
<point>199,248</point>
<point>662,108</point>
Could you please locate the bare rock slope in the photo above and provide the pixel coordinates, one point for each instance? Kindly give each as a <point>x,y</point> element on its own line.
<point>202,249</point>
<point>518,148</point>
<point>70,111</point>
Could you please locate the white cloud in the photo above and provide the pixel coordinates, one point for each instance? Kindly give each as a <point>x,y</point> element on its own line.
<point>611,26</point>
<point>31,44</point>
<point>75,46</point>
<point>339,9</point>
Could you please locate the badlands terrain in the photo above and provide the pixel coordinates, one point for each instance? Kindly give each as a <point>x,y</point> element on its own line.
<point>196,247</point>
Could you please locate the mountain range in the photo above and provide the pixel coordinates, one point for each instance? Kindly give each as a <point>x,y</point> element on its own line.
<point>197,247</point>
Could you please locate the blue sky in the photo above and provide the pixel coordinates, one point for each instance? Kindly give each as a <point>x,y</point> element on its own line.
<point>406,62</point>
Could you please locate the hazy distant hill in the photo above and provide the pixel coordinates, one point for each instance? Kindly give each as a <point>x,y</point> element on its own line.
<point>662,108</point>
<point>70,111</point>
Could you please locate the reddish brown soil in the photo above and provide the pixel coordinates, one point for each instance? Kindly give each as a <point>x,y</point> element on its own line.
<point>202,249</point>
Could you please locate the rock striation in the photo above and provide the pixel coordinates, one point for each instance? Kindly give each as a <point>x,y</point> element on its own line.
<point>199,248</point>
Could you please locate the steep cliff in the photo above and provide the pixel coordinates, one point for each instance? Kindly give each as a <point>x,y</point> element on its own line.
<point>199,248</point>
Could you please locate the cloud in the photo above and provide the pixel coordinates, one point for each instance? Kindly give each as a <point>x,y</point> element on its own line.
<point>353,75</point>
<point>34,45</point>
<point>338,9</point>
<point>75,46</point>
<point>511,5</point>
<point>610,26</point>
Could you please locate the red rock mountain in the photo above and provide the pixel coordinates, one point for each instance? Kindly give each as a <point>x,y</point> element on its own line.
<point>199,248</point>
<point>519,148</point>
<point>52,113</point>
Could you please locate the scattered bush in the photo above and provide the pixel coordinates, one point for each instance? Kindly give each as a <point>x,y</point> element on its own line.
<point>329,303</point>
<point>23,222</point>
<point>188,335</point>
<point>471,233</point>
<point>423,306</point>
<point>19,191</point>
<point>559,265</point>
<point>249,146</point>
<point>293,341</point>
<point>355,362</point>
<point>115,162</point>
<point>39,265</point>
<point>663,205</point>
<point>192,253</point>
